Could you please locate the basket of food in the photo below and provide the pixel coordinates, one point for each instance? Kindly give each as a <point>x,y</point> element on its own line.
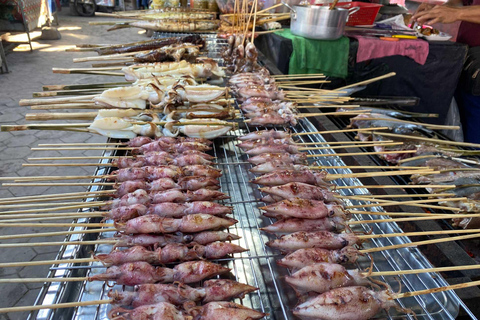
<point>228,6</point>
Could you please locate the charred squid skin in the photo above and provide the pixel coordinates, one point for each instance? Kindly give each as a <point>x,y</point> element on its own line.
<point>347,303</point>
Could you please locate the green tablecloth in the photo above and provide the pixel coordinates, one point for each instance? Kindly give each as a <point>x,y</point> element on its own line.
<point>329,57</point>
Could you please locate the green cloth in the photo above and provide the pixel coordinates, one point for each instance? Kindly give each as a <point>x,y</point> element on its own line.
<point>329,57</point>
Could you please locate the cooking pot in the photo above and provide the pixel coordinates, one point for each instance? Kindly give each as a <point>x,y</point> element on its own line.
<point>319,22</point>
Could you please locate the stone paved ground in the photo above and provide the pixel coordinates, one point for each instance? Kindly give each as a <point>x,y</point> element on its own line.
<point>28,72</point>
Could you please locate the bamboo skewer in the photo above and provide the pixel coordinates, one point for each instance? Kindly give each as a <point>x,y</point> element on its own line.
<point>419,243</point>
<point>67,165</point>
<point>429,217</point>
<point>436,290</point>
<point>55,233</point>
<point>357,153</point>
<point>417,234</point>
<point>55,195</point>
<point>56,243</point>
<point>361,83</point>
<point>56,225</point>
<point>80,158</point>
<point>57,305</point>
<point>439,141</point>
<point>381,196</point>
<point>426,125</point>
<point>331,177</point>
<point>413,186</point>
<point>49,216</point>
<point>339,131</point>
<point>84,86</point>
<point>398,214</point>
<point>385,203</point>
<point>354,146</point>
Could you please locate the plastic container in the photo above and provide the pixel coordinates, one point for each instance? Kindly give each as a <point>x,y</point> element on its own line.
<point>363,17</point>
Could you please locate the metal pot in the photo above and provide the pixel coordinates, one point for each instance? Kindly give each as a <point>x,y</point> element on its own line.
<point>319,22</point>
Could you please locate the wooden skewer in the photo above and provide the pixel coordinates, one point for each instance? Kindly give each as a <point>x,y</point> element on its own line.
<point>57,305</point>
<point>39,178</point>
<point>397,214</point>
<point>55,195</point>
<point>67,164</point>
<point>79,158</point>
<point>85,144</point>
<point>427,270</point>
<point>435,290</point>
<point>426,125</point>
<point>393,186</point>
<point>325,114</point>
<point>440,141</point>
<point>306,75</point>
<point>331,177</point>
<point>415,234</point>
<point>84,86</point>
<point>385,203</point>
<point>58,184</point>
<point>78,206</point>
<point>363,167</point>
<point>48,216</point>
<point>69,106</point>
<point>357,153</point>
<point>339,131</point>
<point>361,83</point>
<point>353,146</point>
<point>70,204</point>
<point>381,196</point>
<point>60,116</point>
<point>30,102</point>
<point>55,233</point>
<point>420,243</point>
<point>359,143</point>
<point>56,243</point>
<point>429,217</point>
<point>56,225</point>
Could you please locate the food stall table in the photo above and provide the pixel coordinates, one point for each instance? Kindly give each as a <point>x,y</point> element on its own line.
<point>434,82</point>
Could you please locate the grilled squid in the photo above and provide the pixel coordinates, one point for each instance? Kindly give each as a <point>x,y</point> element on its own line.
<point>317,239</point>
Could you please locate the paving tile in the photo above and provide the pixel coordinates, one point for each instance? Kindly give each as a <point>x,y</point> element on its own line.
<point>27,299</point>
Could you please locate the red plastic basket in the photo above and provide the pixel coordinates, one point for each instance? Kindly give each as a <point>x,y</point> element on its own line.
<point>363,17</point>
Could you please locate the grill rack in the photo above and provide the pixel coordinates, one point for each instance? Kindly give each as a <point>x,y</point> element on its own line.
<point>256,267</point>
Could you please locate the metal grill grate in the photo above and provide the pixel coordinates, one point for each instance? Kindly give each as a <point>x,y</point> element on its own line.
<point>257,267</point>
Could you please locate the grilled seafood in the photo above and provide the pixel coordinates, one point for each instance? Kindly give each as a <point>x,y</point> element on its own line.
<point>279,177</point>
<point>278,148</point>
<point>154,240</point>
<point>170,253</point>
<point>265,134</point>
<point>212,290</point>
<point>318,239</point>
<point>191,223</point>
<point>223,310</point>
<point>322,277</point>
<point>177,210</point>
<point>298,158</point>
<point>310,256</point>
<point>301,190</point>
<point>131,274</point>
<point>161,310</point>
<point>346,303</point>
<point>335,224</point>
<point>304,209</point>
<point>276,165</point>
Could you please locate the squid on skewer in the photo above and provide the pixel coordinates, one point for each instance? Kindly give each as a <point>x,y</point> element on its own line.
<point>190,224</point>
<point>212,290</point>
<point>171,253</point>
<point>131,274</point>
